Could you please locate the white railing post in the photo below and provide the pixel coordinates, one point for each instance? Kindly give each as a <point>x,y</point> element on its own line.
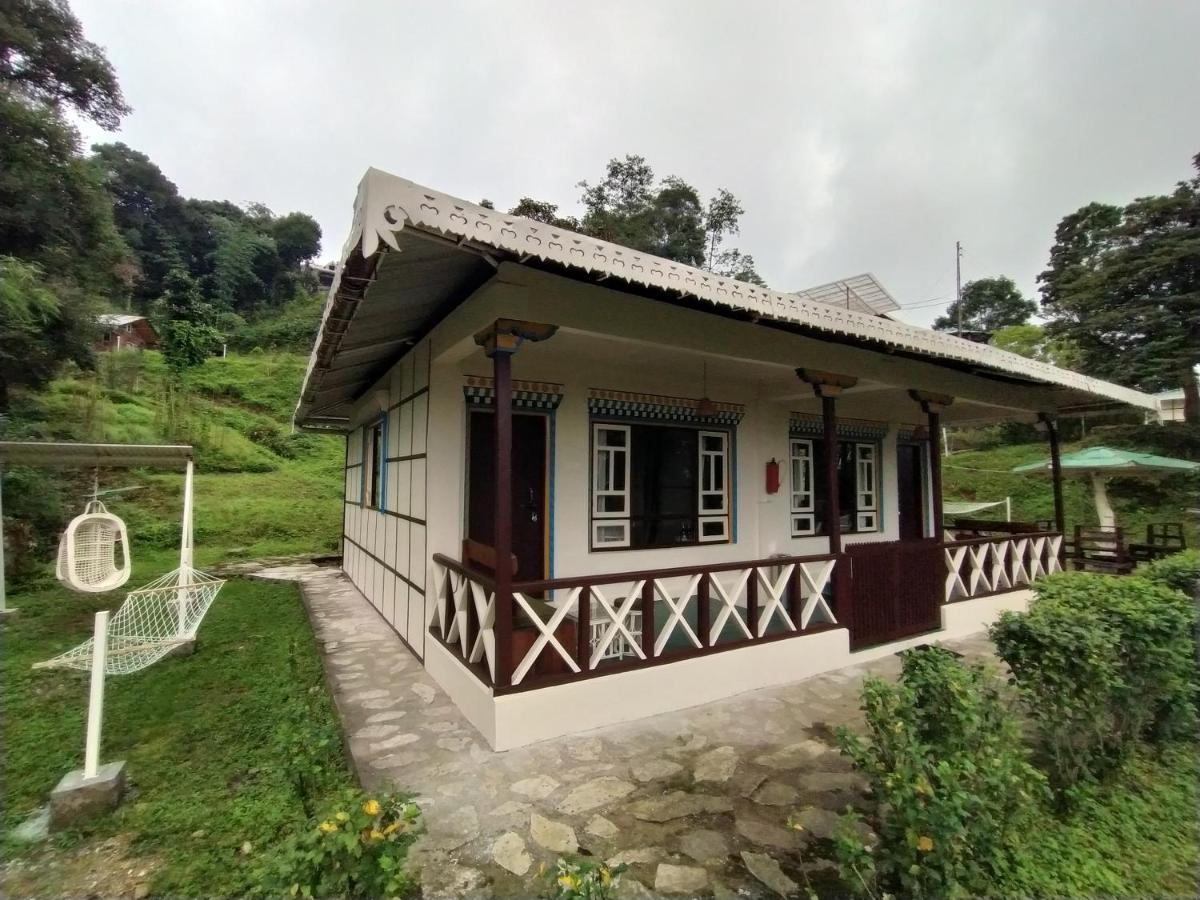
<point>95,719</point>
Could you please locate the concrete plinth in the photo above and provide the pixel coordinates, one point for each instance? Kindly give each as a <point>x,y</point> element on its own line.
<point>77,799</point>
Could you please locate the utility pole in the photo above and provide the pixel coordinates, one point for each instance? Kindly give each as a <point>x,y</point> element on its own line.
<point>958,283</point>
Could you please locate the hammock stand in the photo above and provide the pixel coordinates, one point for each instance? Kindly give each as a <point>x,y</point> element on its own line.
<point>87,550</point>
<point>155,619</point>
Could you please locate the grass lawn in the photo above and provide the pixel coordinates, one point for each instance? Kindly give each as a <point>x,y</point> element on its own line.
<point>1138,836</point>
<point>198,732</point>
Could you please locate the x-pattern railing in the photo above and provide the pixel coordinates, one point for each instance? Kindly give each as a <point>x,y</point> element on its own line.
<point>991,565</point>
<point>581,626</point>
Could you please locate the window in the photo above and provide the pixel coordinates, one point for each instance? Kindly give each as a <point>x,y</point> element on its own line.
<point>373,463</point>
<point>659,486</point>
<point>858,486</point>
<point>804,520</point>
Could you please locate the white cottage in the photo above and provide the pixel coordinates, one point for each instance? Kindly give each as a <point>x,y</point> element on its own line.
<point>585,484</point>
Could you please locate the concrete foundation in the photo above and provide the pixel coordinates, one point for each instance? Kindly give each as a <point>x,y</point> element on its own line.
<point>77,799</point>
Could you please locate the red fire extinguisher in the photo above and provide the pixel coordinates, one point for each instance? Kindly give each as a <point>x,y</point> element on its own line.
<point>772,477</point>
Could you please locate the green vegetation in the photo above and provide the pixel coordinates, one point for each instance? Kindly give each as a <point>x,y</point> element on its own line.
<point>1101,664</point>
<point>1105,669</point>
<point>956,793</point>
<point>260,490</point>
<point>985,475</point>
<point>201,733</point>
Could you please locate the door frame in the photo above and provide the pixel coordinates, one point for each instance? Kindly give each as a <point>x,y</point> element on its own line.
<point>547,479</point>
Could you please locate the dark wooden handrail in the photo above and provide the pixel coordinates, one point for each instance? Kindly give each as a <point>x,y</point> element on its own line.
<point>552,584</point>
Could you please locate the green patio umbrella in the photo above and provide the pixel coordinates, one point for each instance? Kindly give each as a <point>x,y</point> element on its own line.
<point>1098,463</point>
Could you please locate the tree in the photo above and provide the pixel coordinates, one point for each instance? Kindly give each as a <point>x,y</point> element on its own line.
<point>1032,341</point>
<point>1123,286</point>
<point>297,238</point>
<point>666,218</point>
<point>185,323</point>
<point>988,304</point>
<point>45,59</point>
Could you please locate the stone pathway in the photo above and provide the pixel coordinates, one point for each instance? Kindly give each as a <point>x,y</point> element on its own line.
<point>695,802</point>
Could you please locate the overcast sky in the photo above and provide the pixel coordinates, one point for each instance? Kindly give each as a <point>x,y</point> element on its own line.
<point>858,136</point>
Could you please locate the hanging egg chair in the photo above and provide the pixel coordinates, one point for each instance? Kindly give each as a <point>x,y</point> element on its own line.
<point>93,554</point>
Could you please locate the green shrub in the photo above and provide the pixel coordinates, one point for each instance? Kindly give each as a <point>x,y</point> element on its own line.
<point>583,879</point>
<point>1180,571</point>
<point>356,849</point>
<point>955,791</point>
<point>1100,662</point>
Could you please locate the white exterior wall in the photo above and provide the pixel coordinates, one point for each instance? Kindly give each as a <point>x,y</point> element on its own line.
<point>384,549</point>
<point>388,554</point>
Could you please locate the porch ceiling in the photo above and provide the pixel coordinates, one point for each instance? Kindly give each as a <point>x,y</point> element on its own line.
<point>445,248</point>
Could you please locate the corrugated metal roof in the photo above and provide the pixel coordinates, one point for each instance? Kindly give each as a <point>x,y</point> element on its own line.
<point>117,319</point>
<point>53,455</point>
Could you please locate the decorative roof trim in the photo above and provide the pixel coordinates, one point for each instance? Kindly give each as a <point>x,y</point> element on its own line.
<point>386,204</point>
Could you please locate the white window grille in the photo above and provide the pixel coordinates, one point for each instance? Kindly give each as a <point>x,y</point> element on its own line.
<point>866,488</point>
<point>713,487</point>
<point>610,486</point>
<point>803,503</point>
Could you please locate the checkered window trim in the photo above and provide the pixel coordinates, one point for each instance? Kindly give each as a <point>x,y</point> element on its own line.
<point>540,395</point>
<point>622,405</point>
<point>802,425</point>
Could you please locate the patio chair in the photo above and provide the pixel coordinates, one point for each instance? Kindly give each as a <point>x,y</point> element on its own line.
<point>619,648</point>
<point>1101,548</point>
<point>1162,539</point>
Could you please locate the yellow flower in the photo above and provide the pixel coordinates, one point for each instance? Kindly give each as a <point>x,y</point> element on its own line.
<point>570,882</point>
<point>376,835</point>
<point>605,876</point>
<point>393,828</point>
<point>342,817</point>
<point>327,827</point>
<point>924,843</point>
<point>372,807</point>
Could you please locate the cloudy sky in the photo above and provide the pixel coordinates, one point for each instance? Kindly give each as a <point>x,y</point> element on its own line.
<point>866,136</point>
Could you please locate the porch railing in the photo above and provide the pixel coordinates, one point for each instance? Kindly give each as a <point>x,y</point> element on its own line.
<point>564,629</point>
<point>980,567</point>
<point>570,628</point>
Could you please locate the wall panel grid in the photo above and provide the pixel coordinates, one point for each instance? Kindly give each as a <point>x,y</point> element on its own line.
<point>384,548</point>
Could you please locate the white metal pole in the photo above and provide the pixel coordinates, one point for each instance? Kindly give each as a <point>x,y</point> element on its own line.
<point>95,719</point>
<point>1008,509</point>
<point>185,551</point>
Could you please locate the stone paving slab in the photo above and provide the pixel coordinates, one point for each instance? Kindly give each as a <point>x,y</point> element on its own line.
<point>694,801</point>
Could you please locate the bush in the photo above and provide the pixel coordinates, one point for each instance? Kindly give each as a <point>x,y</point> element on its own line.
<point>582,879</point>
<point>1100,662</point>
<point>954,787</point>
<point>357,849</point>
<point>1180,571</point>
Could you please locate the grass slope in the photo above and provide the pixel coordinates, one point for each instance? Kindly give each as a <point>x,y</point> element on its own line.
<point>260,490</point>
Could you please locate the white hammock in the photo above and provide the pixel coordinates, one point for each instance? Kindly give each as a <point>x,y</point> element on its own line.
<point>154,619</point>
<point>87,552</point>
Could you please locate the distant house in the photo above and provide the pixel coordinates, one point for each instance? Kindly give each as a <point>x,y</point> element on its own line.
<point>1168,407</point>
<point>125,332</point>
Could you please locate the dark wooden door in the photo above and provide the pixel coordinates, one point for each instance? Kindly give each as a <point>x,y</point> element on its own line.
<point>528,484</point>
<point>896,590</point>
<point>910,471</point>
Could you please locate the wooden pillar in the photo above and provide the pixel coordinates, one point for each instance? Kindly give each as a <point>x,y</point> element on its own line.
<point>932,405</point>
<point>828,386</point>
<point>500,341</point>
<point>1060,521</point>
